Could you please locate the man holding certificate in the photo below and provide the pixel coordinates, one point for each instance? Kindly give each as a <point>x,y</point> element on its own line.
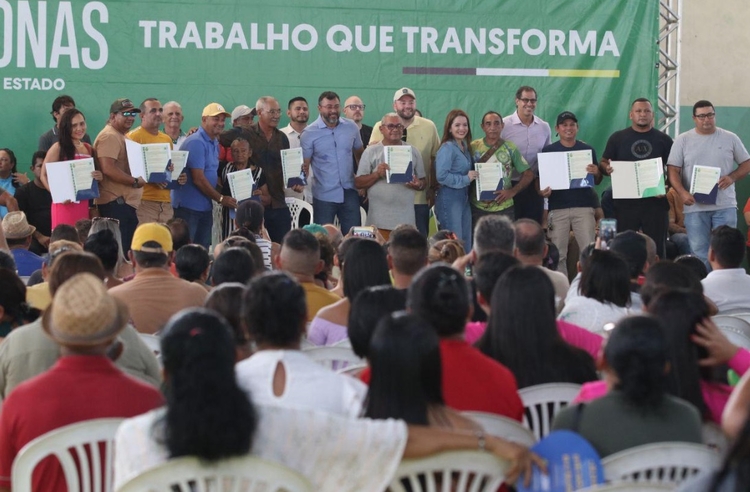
<point>392,172</point>
<point>640,141</point>
<point>703,166</point>
<point>572,202</point>
<point>496,161</point>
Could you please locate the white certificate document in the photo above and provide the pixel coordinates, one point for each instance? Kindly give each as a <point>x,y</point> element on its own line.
<point>148,161</point>
<point>704,179</point>
<point>71,180</point>
<point>398,158</point>
<point>291,166</point>
<point>638,179</point>
<point>489,178</point>
<point>241,184</point>
<point>565,170</point>
<point>179,160</point>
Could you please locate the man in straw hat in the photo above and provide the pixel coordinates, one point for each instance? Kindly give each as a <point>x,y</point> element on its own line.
<point>154,294</point>
<point>84,384</point>
<point>18,233</point>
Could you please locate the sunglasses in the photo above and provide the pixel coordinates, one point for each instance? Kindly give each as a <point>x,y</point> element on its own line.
<point>129,114</point>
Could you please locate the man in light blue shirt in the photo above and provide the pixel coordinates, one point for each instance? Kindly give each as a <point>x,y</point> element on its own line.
<point>328,145</point>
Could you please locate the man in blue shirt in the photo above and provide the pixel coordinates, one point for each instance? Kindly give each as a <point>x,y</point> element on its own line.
<point>329,144</point>
<point>18,233</point>
<point>192,202</point>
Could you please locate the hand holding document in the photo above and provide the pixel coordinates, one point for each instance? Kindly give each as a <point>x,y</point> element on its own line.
<point>72,180</point>
<point>241,184</point>
<point>292,167</point>
<point>148,161</point>
<point>565,170</point>
<point>704,184</point>
<point>179,163</point>
<point>401,167</point>
<point>489,179</point>
<point>638,179</point>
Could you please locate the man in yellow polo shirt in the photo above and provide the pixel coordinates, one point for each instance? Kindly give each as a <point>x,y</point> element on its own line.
<point>156,203</point>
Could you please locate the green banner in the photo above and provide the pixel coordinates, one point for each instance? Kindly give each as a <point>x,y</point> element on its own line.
<point>586,56</point>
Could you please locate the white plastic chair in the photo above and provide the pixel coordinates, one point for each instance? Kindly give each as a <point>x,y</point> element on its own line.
<point>244,473</point>
<point>628,487</point>
<point>346,343</point>
<point>714,437</point>
<point>353,370</point>
<point>458,471</point>
<point>503,427</point>
<point>744,315</point>
<point>664,462</point>
<point>327,356</point>
<point>736,329</point>
<point>77,442</point>
<point>542,402</point>
<point>295,207</point>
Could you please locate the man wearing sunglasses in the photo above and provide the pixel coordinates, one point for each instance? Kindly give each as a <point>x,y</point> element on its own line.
<point>708,146</point>
<point>354,109</point>
<point>390,203</point>
<point>119,192</point>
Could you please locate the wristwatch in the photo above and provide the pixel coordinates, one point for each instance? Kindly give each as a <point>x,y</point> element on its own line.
<point>135,182</point>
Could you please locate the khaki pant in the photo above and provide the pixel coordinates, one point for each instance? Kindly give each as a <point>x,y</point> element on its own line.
<point>560,222</point>
<point>149,211</point>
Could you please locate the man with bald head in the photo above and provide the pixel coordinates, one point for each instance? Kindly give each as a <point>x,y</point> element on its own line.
<point>531,248</point>
<point>172,119</point>
<point>300,257</point>
<point>354,109</point>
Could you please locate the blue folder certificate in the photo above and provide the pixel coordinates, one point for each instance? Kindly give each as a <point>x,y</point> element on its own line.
<point>149,161</point>
<point>398,158</point>
<point>704,184</point>
<point>72,181</point>
<point>565,170</point>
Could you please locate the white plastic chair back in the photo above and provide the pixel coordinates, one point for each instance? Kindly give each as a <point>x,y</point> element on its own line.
<point>245,473</point>
<point>542,402</point>
<point>330,355</point>
<point>295,207</point>
<point>306,344</point>
<point>664,462</point>
<point>353,370</point>
<point>714,437</point>
<point>736,329</point>
<point>77,442</point>
<point>458,471</point>
<point>628,487</point>
<point>744,316</point>
<point>503,427</point>
<point>343,343</point>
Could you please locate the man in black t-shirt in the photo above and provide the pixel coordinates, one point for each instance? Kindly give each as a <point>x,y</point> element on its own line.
<point>571,209</point>
<point>638,142</point>
<point>36,202</point>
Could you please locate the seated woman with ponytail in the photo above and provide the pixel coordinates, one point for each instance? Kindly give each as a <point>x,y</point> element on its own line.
<point>637,410</point>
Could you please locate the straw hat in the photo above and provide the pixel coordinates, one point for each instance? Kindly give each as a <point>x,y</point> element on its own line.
<point>15,226</point>
<point>82,313</point>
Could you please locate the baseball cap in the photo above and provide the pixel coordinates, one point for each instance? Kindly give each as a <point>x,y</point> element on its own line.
<point>241,111</point>
<point>404,91</point>
<point>215,109</point>
<point>152,231</point>
<point>123,104</point>
<point>566,115</point>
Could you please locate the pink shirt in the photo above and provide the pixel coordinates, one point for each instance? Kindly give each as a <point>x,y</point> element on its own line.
<point>715,395</point>
<point>573,334</point>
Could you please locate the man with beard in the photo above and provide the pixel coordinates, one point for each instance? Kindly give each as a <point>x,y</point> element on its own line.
<point>422,134</point>
<point>331,161</point>
<point>638,142</point>
<point>298,114</point>
<point>266,144</point>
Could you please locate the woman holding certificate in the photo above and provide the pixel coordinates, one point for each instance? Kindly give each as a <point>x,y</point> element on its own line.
<point>454,170</point>
<point>70,147</point>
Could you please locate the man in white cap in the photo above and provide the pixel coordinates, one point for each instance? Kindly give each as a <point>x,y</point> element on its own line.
<point>18,233</point>
<point>192,201</point>
<point>83,384</point>
<point>422,134</point>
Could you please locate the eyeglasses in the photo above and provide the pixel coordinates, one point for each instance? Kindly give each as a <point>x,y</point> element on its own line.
<point>129,114</point>
<point>527,100</point>
<point>277,112</point>
<point>331,108</point>
<point>704,116</point>
<point>391,126</point>
<point>356,107</point>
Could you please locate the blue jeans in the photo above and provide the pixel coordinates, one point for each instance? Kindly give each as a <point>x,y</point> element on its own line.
<point>422,218</point>
<point>199,224</point>
<point>699,226</point>
<point>453,212</point>
<point>127,217</point>
<point>347,212</point>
